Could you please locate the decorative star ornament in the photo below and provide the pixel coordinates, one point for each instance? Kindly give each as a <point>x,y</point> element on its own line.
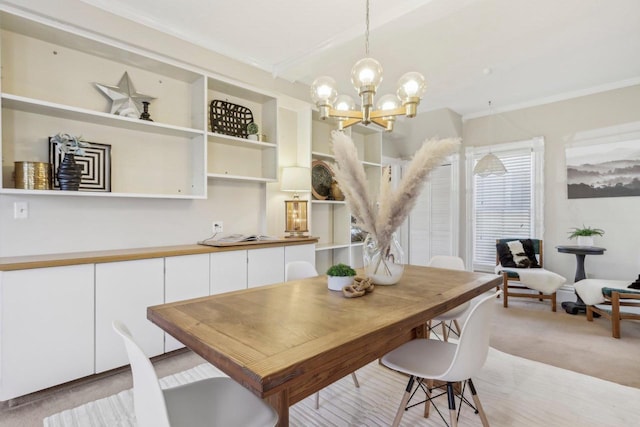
<point>125,100</point>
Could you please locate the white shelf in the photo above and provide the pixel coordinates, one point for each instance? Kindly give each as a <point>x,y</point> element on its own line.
<point>330,219</point>
<point>315,154</point>
<point>329,202</point>
<point>372,164</point>
<point>97,194</point>
<point>240,177</point>
<point>219,138</point>
<point>52,109</point>
<point>330,246</point>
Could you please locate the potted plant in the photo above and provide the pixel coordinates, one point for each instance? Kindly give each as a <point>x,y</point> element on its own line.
<point>252,131</point>
<point>339,276</point>
<point>69,173</point>
<point>585,235</point>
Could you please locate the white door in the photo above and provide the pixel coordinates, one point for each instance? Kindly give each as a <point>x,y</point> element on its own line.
<point>185,277</point>
<point>228,271</point>
<point>124,290</point>
<point>46,328</point>
<point>433,221</point>
<point>265,266</point>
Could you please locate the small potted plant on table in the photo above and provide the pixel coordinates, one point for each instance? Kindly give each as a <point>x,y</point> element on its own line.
<point>585,235</point>
<point>339,276</point>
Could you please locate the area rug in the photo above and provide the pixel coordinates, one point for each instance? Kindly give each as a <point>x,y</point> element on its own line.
<point>514,392</point>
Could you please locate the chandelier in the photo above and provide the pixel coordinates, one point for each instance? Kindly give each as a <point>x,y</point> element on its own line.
<point>366,76</point>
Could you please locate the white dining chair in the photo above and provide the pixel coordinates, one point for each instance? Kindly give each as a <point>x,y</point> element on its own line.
<point>452,316</point>
<point>218,401</point>
<point>296,270</point>
<point>428,359</point>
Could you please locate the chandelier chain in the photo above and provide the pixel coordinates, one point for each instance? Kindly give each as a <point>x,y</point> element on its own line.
<point>366,34</point>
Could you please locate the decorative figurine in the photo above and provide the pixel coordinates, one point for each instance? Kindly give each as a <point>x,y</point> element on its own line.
<point>125,100</point>
<point>145,114</point>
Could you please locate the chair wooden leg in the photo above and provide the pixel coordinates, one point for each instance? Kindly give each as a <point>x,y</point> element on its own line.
<point>318,400</point>
<point>428,329</point>
<point>355,380</point>
<point>476,401</point>
<point>451,397</point>
<point>427,403</point>
<point>553,302</point>
<point>445,336</point>
<point>403,402</point>
<point>615,314</point>
<point>457,325</point>
<point>589,313</point>
<point>505,290</point>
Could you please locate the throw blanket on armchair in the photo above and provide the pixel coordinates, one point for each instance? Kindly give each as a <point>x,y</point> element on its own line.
<point>541,280</point>
<point>590,290</point>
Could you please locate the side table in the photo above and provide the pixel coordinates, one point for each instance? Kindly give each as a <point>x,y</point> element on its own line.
<point>580,252</point>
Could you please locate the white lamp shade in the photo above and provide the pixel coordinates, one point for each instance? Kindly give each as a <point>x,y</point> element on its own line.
<point>489,165</point>
<point>295,178</point>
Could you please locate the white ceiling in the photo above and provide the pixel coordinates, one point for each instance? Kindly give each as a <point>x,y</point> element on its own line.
<point>538,50</point>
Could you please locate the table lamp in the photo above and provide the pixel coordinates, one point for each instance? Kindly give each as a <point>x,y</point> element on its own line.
<point>296,179</point>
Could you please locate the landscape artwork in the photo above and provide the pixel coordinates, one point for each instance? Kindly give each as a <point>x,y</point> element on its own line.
<point>604,170</point>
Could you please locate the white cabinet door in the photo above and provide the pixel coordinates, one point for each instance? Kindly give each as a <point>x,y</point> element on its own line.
<point>46,328</point>
<point>300,253</point>
<point>228,271</point>
<point>124,290</point>
<point>185,277</point>
<point>265,266</point>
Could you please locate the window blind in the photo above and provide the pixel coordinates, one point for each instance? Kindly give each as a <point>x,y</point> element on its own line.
<point>503,206</point>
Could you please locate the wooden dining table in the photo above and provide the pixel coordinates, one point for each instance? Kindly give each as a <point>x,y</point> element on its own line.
<point>287,341</point>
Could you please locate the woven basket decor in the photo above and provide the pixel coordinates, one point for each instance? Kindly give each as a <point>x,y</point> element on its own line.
<point>229,119</point>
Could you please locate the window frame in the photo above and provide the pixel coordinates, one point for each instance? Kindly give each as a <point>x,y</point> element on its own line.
<point>536,145</point>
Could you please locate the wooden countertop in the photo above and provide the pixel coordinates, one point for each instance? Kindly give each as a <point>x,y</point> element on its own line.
<point>92,257</point>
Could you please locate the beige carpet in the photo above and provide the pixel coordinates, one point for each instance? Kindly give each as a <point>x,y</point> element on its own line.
<point>530,329</point>
<point>514,392</point>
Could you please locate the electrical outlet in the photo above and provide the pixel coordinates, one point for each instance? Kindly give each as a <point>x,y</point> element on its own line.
<point>218,227</point>
<point>20,210</point>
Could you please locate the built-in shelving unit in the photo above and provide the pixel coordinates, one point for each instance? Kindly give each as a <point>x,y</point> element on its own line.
<point>230,157</point>
<point>331,220</point>
<point>49,72</point>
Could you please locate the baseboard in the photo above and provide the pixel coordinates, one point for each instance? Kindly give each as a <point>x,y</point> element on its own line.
<point>566,293</point>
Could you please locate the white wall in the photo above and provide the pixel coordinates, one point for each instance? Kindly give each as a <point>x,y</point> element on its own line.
<point>68,224</point>
<point>615,112</point>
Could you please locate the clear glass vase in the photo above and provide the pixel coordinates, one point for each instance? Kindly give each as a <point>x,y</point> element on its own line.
<point>385,266</point>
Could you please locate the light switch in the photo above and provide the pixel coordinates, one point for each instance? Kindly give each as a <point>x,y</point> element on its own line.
<point>20,210</point>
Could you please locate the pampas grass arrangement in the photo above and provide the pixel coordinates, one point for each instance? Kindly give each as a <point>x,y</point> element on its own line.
<point>383,218</point>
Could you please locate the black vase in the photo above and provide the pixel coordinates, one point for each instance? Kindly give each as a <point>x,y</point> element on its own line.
<point>69,173</point>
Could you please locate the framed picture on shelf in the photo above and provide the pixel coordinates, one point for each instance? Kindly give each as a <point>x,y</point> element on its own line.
<point>95,163</point>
